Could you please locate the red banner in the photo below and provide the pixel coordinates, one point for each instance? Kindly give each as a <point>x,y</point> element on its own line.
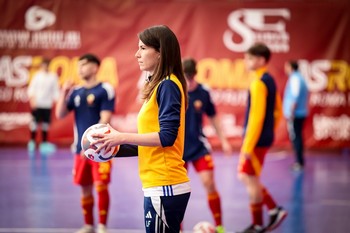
<point>215,33</point>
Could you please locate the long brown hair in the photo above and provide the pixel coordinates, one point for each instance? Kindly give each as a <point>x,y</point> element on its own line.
<point>163,40</point>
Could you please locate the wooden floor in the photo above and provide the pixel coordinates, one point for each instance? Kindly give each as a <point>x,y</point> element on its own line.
<point>37,194</point>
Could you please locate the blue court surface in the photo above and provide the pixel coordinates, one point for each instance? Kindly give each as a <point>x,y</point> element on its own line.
<point>38,196</point>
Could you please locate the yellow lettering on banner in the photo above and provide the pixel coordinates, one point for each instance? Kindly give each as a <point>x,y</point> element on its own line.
<point>36,61</point>
<point>348,79</point>
<point>223,73</point>
<point>206,71</point>
<point>108,71</point>
<point>67,69</point>
<point>337,77</point>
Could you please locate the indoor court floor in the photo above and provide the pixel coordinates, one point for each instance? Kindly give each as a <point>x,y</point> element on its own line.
<point>37,194</point>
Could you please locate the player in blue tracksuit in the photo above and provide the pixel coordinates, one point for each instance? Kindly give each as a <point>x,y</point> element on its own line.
<point>295,109</point>
<point>197,148</point>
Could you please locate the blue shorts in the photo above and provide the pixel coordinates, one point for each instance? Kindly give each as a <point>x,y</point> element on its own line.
<point>165,213</point>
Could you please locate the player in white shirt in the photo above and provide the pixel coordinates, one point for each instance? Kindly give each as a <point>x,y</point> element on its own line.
<point>43,91</point>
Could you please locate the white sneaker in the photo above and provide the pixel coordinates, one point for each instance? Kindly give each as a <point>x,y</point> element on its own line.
<point>47,148</point>
<point>101,228</point>
<point>31,146</point>
<point>86,229</point>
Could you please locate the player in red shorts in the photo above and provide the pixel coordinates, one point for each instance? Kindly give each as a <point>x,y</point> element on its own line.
<point>92,103</point>
<point>197,148</point>
<point>264,109</point>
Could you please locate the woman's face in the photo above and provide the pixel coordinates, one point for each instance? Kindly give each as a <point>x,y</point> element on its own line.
<point>147,57</point>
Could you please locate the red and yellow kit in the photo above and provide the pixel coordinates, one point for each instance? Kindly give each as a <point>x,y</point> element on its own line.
<point>264,110</point>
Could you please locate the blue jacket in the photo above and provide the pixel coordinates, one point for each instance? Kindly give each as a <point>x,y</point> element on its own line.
<point>296,92</point>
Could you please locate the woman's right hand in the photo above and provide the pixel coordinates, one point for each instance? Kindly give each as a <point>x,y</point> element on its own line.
<point>108,140</point>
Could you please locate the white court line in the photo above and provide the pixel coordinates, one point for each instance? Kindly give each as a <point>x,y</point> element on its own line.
<point>65,230</point>
<point>59,230</point>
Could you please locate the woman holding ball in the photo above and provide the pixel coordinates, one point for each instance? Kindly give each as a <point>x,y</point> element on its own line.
<point>159,143</point>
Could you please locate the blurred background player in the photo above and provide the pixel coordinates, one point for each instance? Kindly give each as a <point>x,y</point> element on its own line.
<point>197,148</point>
<point>92,103</point>
<point>43,91</point>
<point>262,115</point>
<point>295,110</point>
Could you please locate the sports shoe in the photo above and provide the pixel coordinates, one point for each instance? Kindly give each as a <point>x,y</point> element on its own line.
<point>31,146</point>
<point>86,229</point>
<point>101,228</point>
<point>276,218</point>
<point>220,229</point>
<point>253,229</point>
<point>47,148</point>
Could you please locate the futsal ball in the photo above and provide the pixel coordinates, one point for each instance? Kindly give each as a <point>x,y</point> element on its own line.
<point>204,227</point>
<point>90,150</point>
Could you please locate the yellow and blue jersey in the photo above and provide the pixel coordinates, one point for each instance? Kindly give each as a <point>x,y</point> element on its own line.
<point>87,105</point>
<point>164,112</point>
<point>263,112</point>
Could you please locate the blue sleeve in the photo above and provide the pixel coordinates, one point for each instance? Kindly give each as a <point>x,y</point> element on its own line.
<point>70,101</point>
<point>169,102</point>
<point>127,150</point>
<point>210,107</point>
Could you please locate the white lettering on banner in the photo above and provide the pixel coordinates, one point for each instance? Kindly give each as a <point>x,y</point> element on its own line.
<point>40,40</point>
<point>10,38</point>
<point>334,127</point>
<point>315,73</point>
<point>9,94</point>
<point>9,121</point>
<point>20,95</point>
<point>5,94</point>
<point>250,25</point>
<point>15,73</point>
<point>328,99</point>
<point>229,126</point>
<point>230,97</point>
<point>36,19</point>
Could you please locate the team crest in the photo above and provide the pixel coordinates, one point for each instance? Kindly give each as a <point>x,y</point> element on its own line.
<point>90,99</point>
<point>197,105</point>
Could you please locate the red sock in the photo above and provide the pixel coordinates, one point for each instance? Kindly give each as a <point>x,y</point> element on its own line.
<point>256,212</point>
<point>215,207</point>
<point>103,203</point>
<point>268,200</point>
<point>87,203</point>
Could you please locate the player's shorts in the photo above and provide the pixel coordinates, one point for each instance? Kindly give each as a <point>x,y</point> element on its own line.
<point>203,163</point>
<point>253,166</point>
<point>86,171</point>
<point>42,115</point>
<point>164,214</point>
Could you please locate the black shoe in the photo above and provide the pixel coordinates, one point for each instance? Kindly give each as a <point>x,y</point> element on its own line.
<point>253,229</point>
<point>276,219</point>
